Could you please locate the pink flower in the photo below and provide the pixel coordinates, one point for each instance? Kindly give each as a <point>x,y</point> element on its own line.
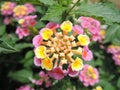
<point>26,87</point>
<point>37,40</point>
<point>57,73</point>
<point>113,49</point>
<point>37,61</point>
<point>78,29</point>
<point>39,82</point>
<point>72,73</point>
<point>30,8</point>
<point>28,21</point>
<point>52,25</point>
<point>47,84</point>
<point>85,24</point>
<point>7,8</point>
<point>116,58</point>
<point>7,20</point>
<point>21,32</point>
<point>95,37</point>
<point>87,54</point>
<point>89,75</point>
<point>93,30</point>
<point>42,74</point>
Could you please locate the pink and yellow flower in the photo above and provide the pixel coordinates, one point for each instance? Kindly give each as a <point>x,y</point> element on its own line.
<point>66,26</point>
<point>46,33</point>
<point>86,54</point>
<point>58,47</point>
<point>47,64</point>
<point>77,64</point>
<point>83,40</point>
<point>40,52</point>
<point>20,11</point>
<point>22,32</point>
<point>7,8</point>
<point>90,26</point>
<point>98,88</point>
<point>89,75</point>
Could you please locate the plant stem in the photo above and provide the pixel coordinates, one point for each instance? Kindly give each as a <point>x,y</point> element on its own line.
<point>72,7</point>
<point>67,12</point>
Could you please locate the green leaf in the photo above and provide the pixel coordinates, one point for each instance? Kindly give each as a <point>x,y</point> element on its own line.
<point>118,83</point>
<point>108,14</point>
<point>54,13</point>
<point>48,2</point>
<point>113,34</point>
<point>109,87</point>
<point>22,76</point>
<point>6,48</point>
<point>2,29</point>
<point>39,25</point>
<point>21,46</point>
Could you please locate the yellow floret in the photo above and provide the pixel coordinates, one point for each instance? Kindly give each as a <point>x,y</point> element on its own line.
<point>77,64</point>
<point>47,64</point>
<point>66,26</point>
<point>83,40</point>
<point>40,52</point>
<point>46,33</point>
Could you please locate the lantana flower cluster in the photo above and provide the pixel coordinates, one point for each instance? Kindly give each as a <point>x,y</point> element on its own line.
<point>25,87</point>
<point>22,13</point>
<point>115,51</point>
<point>43,80</point>
<point>90,26</point>
<point>61,49</point>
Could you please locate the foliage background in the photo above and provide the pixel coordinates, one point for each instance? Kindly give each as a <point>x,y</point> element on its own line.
<point>16,56</point>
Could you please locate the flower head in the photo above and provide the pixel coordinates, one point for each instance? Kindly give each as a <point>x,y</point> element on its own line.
<point>89,75</point>
<point>26,87</point>
<point>90,26</point>
<point>30,8</point>
<point>22,32</point>
<point>7,8</point>
<point>20,11</point>
<point>98,88</point>
<point>59,47</point>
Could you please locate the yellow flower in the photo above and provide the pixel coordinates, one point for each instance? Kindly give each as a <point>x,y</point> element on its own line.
<point>99,88</point>
<point>20,10</point>
<point>5,6</point>
<point>66,26</point>
<point>91,72</point>
<point>47,64</point>
<point>102,32</point>
<point>21,21</point>
<point>83,40</point>
<point>77,64</point>
<point>46,33</point>
<point>40,52</point>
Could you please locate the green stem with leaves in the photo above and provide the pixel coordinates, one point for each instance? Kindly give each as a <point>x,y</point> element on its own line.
<point>67,12</point>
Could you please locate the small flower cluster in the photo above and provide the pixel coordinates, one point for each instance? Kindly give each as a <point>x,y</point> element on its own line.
<point>90,26</point>
<point>44,78</point>
<point>21,13</point>
<point>98,88</point>
<point>89,75</point>
<point>56,47</point>
<point>115,51</point>
<point>25,87</point>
